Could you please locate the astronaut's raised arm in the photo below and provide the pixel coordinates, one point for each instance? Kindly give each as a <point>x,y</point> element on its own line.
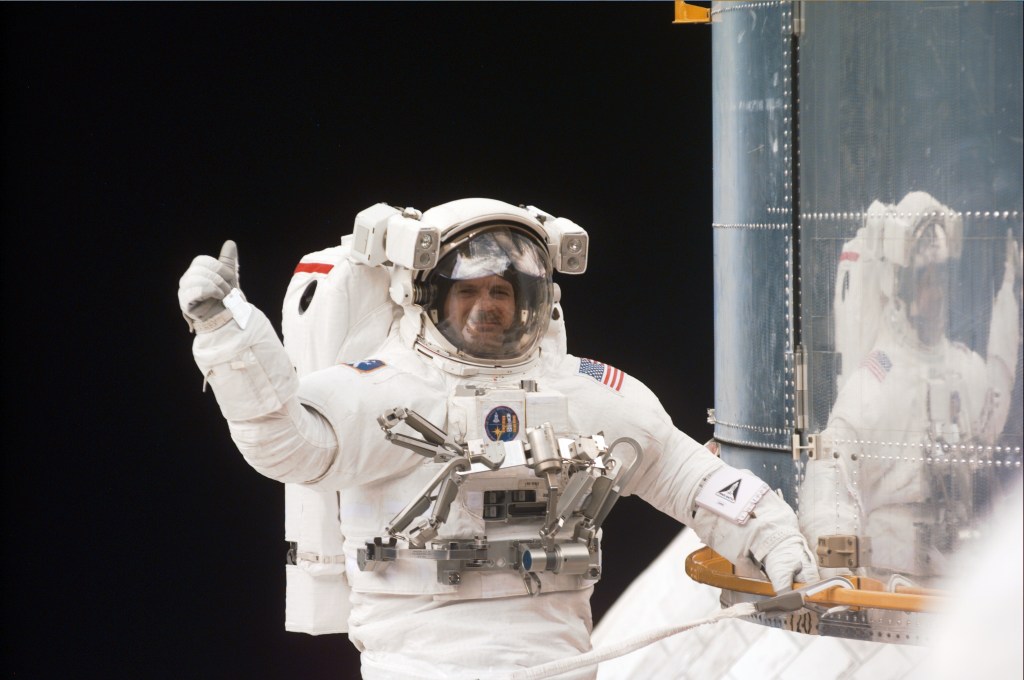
<point>256,388</point>
<point>242,359</point>
<point>1003,341</point>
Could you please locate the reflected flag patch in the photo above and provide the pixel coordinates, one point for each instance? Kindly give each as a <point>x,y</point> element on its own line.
<point>603,373</point>
<point>878,364</point>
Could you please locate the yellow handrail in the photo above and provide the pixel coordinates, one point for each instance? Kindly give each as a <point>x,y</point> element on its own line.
<point>708,567</point>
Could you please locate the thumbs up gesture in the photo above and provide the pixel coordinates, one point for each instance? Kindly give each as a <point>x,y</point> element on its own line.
<point>204,286</point>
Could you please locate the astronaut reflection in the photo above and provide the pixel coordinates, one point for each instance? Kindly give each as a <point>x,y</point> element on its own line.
<point>894,471</point>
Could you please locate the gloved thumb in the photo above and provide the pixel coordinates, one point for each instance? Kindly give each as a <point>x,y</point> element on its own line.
<point>229,256</point>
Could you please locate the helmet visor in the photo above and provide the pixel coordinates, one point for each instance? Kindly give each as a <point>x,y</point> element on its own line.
<point>492,294</point>
<point>924,285</point>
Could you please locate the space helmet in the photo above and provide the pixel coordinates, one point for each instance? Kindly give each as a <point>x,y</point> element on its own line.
<point>488,300</point>
<point>473,278</point>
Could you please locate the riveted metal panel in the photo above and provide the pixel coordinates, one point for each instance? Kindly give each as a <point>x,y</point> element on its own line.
<point>752,89</point>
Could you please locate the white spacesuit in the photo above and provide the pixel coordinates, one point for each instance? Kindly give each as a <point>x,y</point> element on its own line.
<point>472,548</point>
<point>913,408</point>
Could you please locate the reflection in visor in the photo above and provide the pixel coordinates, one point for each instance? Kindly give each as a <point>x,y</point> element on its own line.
<point>495,253</point>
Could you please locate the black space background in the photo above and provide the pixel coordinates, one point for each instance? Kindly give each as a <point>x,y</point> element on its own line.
<point>135,136</point>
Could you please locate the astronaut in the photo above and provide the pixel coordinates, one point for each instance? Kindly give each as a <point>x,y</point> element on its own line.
<point>913,406</point>
<point>473,545</point>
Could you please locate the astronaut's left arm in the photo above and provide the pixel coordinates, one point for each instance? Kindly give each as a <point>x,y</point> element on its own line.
<point>674,473</point>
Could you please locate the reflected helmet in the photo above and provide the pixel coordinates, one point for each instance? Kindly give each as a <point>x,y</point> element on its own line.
<point>933,238</point>
<point>933,241</point>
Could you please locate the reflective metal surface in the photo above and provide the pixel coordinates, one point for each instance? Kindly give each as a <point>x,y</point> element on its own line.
<point>752,212</point>
<point>873,303</point>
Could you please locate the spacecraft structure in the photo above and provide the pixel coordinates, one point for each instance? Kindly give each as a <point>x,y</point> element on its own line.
<point>867,270</point>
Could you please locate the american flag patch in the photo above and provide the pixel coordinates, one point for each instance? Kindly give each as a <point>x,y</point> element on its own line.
<point>603,373</point>
<point>878,363</point>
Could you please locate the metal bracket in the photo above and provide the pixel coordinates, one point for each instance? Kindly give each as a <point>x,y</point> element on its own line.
<point>812,447</point>
<point>837,551</point>
<point>842,550</point>
<point>691,14</point>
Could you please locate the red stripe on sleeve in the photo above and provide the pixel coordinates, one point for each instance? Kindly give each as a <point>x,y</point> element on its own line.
<point>313,268</point>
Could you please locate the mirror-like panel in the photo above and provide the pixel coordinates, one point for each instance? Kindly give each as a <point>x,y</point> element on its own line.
<point>909,130</point>
<point>893,262</point>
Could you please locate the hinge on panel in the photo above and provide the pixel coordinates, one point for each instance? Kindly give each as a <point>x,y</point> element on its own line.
<point>798,18</point>
<point>812,447</point>
<point>800,409</point>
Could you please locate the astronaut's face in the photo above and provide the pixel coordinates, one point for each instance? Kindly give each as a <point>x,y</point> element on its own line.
<point>481,311</point>
<point>489,298</point>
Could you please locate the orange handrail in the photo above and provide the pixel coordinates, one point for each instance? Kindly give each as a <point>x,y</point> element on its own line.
<point>708,567</point>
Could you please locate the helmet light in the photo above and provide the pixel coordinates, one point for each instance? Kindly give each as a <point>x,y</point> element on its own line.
<point>384,234</point>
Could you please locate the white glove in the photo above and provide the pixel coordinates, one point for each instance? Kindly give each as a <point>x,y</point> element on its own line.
<point>789,561</point>
<point>203,287</point>
<point>770,539</point>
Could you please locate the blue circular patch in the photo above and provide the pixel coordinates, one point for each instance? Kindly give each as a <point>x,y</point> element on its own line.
<point>502,424</point>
